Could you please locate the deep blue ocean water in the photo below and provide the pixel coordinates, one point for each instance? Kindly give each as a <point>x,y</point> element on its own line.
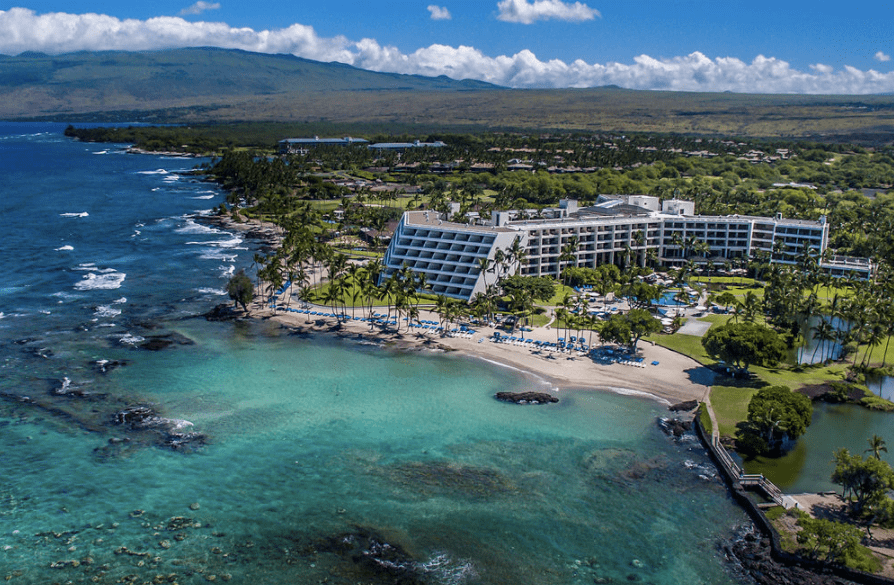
<point>321,460</point>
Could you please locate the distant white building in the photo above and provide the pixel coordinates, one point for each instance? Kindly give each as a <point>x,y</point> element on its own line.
<point>406,145</point>
<point>301,145</point>
<point>618,229</point>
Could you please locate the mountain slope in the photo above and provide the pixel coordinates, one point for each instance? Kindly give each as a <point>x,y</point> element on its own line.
<point>38,84</point>
<point>222,85</point>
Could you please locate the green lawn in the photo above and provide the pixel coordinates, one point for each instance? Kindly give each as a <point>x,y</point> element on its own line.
<point>689,345</point>
<point>730,404</point>
<point>728,280</point>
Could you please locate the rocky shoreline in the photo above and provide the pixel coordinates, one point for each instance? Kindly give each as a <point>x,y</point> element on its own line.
<point>751,555</point>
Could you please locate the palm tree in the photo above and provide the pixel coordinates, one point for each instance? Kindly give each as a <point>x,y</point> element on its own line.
<point>517,254</point>
<point>877,446</point>
<point>822,332</point>
<point>569,254</point>
<point>484,265</point>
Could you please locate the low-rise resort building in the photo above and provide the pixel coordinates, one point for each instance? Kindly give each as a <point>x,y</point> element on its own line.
<point>618,229</point>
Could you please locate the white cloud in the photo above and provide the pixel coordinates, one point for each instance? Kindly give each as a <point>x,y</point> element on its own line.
<point>24,30</point>
<point>439,12</point>
<point>200,7</point>
<point>881,57</point>
<point>822,69</point>
<point>524,12</point>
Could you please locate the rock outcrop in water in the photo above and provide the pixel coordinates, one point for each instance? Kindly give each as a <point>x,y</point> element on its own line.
<point>686,406</point>
<point>169,431</point>
<point>224,312</point>
<point>391,563</point>
<point>159,342</point>
<point>526,397</point>
<point>752,553</point>
<point>106,366</point>
<point>675,426</point>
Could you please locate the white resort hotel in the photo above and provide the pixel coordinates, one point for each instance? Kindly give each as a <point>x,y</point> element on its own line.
<point>618,229</point>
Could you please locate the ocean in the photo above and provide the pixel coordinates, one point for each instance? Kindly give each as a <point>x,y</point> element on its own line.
<point>141,443</point>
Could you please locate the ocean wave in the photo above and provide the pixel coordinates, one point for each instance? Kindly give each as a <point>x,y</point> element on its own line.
<point>204,197</point>
<point>171,178</point>
<point>120,301</point>
<point>102,152</point>
<point>155,172</point>
<point>91,267</point>
<point>212,291</point>
<point>8,290</point>
<point>228,271</point>
<point>103,311</point>
<point>219,255</point>
<point>65,248</point>
<point>191,226</point>
<point>130,339</point>
<point>230,243</point>
<point>105,281</point>
<point>81,214</point>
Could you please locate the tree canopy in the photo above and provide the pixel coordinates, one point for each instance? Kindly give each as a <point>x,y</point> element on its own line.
<point>541,288</point>
<point>865,482</point>
<point>628,328</point>
<point>240,289</point>
<point>744,344</point>
<point>775,415</point>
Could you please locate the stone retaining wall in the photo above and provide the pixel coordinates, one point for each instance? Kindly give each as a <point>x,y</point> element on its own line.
<point>765,527</point>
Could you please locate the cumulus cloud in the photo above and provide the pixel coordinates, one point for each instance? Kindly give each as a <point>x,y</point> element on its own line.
<point>439,12</point>
<point>525,12</point>
<point>200,7</point>
<point>24,30</point>
<point>881,57</point>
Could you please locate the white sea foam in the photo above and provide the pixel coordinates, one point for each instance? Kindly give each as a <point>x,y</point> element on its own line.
<point>228,271</point>
<point>101,281</point>
<point>214,254</point>
<point>65,248</point>
<point>526,372</point>
<point>120,301</point>
<point>179,424</point>
<point>103,311</point>
<point>102,152</point>
<point>155,172</point>
<point>193,227</point>
<point>171,178</point>
<point>130,339</point>
<point>230,243</point>
<point>212,291</point>
<point>45,312</point>
<point>81,214</point>
<point>204,197</point>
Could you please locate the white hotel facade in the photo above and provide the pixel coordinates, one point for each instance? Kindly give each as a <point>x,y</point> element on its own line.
<point>618,229</point>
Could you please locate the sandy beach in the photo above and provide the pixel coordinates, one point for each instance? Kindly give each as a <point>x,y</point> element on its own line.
<point>674,379</point>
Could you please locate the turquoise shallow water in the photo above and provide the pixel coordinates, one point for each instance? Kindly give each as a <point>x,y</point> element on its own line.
<point>324,460</point>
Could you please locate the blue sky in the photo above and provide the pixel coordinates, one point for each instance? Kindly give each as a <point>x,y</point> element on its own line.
<point>693,45</point>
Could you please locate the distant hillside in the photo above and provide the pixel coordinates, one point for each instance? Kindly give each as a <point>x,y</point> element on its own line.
<point>219,85</point>
<point>35,84</point>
